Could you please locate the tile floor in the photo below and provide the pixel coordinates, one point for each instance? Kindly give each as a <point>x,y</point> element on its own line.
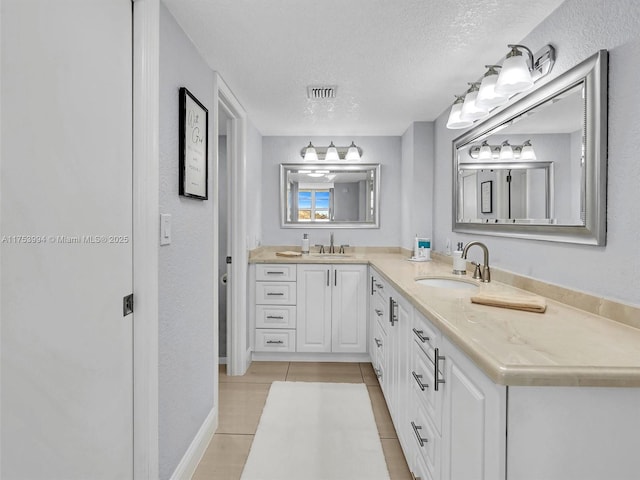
<point>242,400</point>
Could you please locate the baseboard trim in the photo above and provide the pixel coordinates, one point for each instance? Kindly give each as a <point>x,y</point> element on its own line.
<point>310,357</point>
<point>187,466</point>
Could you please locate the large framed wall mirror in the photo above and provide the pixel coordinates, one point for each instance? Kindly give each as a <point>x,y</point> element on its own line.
<point>545,157</point>
<point>329,195</point>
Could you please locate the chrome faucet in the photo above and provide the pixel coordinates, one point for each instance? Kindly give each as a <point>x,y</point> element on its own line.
<point>332,249</point>
<point>485,276</point>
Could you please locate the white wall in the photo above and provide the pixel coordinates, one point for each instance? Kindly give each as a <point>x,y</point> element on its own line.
<point>578,28</point>
<point>383,150</point>
<point>417,183</point>
<point>254,186</point>
<point>186,276</point>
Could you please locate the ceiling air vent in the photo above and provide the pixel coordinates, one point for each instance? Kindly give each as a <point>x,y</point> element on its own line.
<point>319,92</point>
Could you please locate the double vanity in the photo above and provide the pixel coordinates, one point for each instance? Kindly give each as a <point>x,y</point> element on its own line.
<point>475,392</point>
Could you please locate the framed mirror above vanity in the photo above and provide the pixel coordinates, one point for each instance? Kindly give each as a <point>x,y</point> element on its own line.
<point>329,195</point>
<point>537,169</point>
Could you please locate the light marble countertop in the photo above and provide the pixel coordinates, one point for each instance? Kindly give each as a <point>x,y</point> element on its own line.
<point>562,347</point>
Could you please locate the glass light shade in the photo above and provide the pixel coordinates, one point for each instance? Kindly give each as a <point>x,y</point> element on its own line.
<point>353,155</point>
<point>514,77</point>
<point>487,96</point>
<point>506,152</point>
<point>485,152</point>
<point>310,154</point>
<point>332,153</point>
<point>470,108</point>
<point>527,153</point>
<point>455,120</point>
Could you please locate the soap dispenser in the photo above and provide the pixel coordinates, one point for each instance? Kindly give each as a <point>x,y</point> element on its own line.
<point>459,263</point>
<point>305,243</point>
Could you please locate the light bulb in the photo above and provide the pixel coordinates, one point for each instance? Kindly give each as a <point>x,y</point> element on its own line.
<point>485,152</point>
<point>353,155</point>
<point>515,76</point>
<point>487,96</point>
<point>332,153</point>
<point>527,152</point>
<point>455,120</point>
<point>506,152</point>
<point>470,108</point>
<point>310,154</point>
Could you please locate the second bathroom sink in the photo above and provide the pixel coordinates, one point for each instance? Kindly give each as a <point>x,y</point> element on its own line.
<point>447,282</point>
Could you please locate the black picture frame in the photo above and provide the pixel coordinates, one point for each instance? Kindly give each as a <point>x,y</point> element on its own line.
<point>193,169</point>
<point>486,197</point>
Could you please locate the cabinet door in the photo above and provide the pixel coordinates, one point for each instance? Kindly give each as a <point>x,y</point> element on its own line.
<point>313,308</point>
<point>474,423</point>
<point>349,309</point>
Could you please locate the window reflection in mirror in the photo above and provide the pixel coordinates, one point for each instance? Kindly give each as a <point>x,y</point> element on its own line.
<point>322,195</point>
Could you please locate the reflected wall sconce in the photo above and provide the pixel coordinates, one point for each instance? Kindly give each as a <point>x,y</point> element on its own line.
<point>352,153</point>
<point>517,73</point>
<point>503,152</point>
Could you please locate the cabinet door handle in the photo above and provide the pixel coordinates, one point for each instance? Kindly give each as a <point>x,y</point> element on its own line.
<point>278,342</point>
<point>335,278</point>
<point>275,294</point>
<point>392,311</point>
<point>275,317</point>
<point>419,381</point>
<point>378,312</point>
<point>378,342</point>
<point>419,333</point>
<point>378,373</point>
<point>436,368</point>
<point>328,275</point>
<point>372,282</point>
<point>421,440</point>
<point>379,285</point>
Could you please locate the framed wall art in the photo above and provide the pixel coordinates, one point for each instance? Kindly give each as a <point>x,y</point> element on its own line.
<point>486,195</point>
<point>193,145</point>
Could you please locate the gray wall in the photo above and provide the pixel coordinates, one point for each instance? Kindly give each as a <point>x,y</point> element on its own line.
<point>383,150</point>
<point>254,186</point>
<point>578,28</point>
<point>186,276</point>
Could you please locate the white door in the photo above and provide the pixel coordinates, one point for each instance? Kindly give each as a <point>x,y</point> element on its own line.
<point>66,223</point>
<point>313,332</point>
<point>349,309</point>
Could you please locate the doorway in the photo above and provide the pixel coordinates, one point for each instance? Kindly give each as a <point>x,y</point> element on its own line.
<point>224,232</point>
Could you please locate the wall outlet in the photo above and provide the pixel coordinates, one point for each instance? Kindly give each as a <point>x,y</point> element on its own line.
<point>448,247</point>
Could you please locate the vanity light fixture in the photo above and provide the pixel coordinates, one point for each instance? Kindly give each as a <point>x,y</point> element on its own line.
<point>455,115</point>
<point>487,96</point>
<point>352,153</point>
<point>518,73</point>
<point>505,152</point>
<point>309,153</point>
<point>515,75</point>
<point>470,108</point>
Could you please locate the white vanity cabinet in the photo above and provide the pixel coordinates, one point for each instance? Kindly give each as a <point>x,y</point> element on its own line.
<point>331,308</point>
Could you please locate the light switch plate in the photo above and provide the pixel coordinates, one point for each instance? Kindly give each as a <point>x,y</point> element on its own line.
<point>165,229</point>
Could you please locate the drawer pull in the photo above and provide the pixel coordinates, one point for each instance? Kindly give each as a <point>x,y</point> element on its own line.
<point>392,311</point>
<point>378,342</point>
<point>275,294</point>
<point>421,440</point>
<point>276,342</point>
<point>378,312</point>
<point>419,381</point>
<point>275,317</point>
<point>419,333</point>
<point>372,285</point>
<point>275,273</point>
<point>436,369</point>
<point>379,285</point>
<point>378,373</point>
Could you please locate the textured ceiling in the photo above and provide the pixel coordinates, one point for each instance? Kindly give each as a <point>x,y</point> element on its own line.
<point>394,61</point>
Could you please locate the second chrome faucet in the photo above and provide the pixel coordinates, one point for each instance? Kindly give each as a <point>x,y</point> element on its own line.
<point>485,274</point>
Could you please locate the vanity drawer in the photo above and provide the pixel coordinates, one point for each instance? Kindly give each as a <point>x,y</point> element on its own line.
<point>276,272</point>
<point>422,383</point>
<point>427,442</point>
<point>275,317</point>
<point>276,293</point>
<point>426,335</point>
<point>379,309</point>
<point>268,340</point>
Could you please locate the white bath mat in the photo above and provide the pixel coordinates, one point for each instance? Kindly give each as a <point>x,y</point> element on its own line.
<point>316,431</point>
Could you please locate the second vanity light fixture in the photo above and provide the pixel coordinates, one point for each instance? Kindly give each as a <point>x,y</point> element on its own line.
<point>503,152</point>
<point>352,153</point>
<point>517,74</point>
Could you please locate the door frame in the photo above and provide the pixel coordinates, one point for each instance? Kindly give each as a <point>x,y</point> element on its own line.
<point>238,349</point>
<point>146,228</point>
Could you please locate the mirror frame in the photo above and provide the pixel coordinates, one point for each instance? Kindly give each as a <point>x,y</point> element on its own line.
<point>593,72</point>
<point>284,167</point>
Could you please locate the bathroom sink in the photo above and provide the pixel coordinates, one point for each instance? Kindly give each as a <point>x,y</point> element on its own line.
<point>447,282</point>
